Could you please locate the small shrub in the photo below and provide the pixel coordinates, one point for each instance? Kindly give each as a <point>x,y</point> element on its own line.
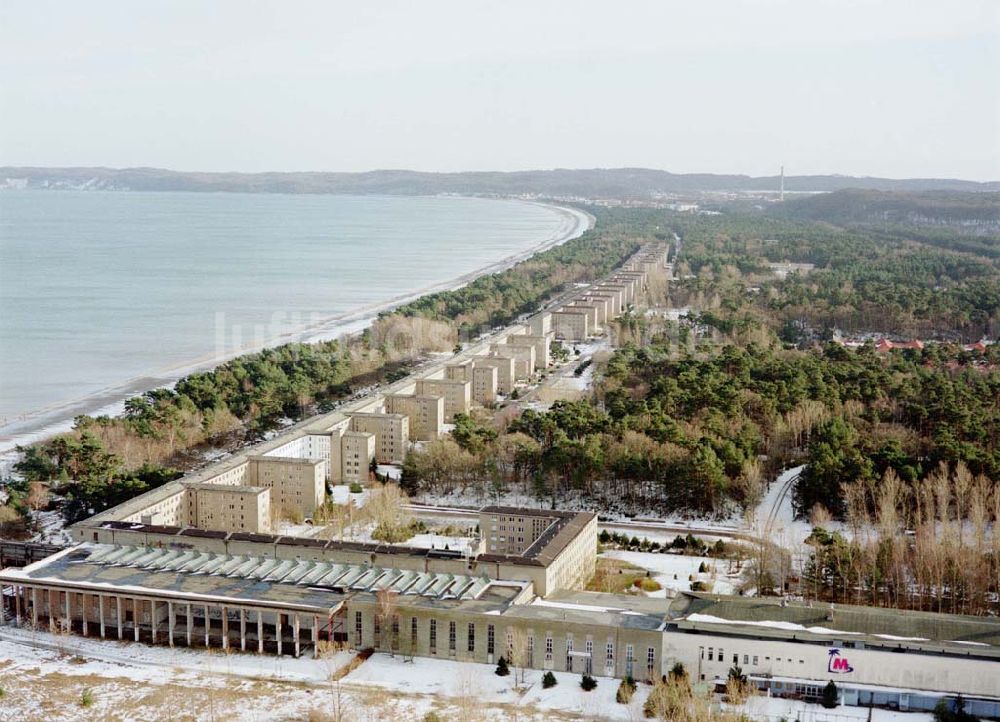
<point>549,680</point>
<point>829,699</point>
<point>649,585</point>
<point>86,698</point>
<point>3,693</point>
<point>356,488</point>
<point>703,568</point>
<point>432,717</point>
<point>625,691</point>
<point>699,587</point>
<point>587,683</point>
<point>502,669</point>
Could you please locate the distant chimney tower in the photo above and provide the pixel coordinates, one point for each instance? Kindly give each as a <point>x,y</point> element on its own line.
<point>782,196</point>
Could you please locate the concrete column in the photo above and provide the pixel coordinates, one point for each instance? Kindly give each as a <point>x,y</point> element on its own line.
<point>207,625</point>
<point>50,607</point>
<point>83,613</point>
<point>34,607</point>
<point>69,617</point>
<point>225,628</point>
<point>152,619</point>
<point>118,603</point>
<point>295,629</point>
<point>100,605</point>
<point>277,630</point>
<point>315,637</point>
<point>260,632</point>
<point>3,601</point>
<point>243,629</point>
<point>190,625</point>
<point>136,613</point>
<point>170,623</point>
<point>17,604</point>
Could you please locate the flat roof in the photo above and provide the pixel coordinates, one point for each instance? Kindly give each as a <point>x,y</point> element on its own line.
<point>195,574</point>
<point>230,488</point>
<point>768,617</point>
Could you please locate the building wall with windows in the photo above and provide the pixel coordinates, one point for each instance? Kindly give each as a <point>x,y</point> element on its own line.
<point>506,376</point>
<point>298,486</point>
<point>391,431</point>
<point>541,344</point>
<point>571,325</point>
<point>357,450</point>
<point>426,414</point>
<point>231,508</point>
<point>457,394</point>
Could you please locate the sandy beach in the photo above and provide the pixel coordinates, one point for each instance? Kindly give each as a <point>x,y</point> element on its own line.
<point>58,418</point>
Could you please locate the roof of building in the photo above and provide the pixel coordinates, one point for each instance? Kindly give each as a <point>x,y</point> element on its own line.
<point>226,488</point>
<point>816,621</point>
<point>253,579</point>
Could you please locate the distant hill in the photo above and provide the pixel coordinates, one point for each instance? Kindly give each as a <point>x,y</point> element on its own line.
<point>624,183</point>
<point>976,213</point>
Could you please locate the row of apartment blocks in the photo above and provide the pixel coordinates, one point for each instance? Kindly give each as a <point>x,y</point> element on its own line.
<point>591,309</point>
<point>287,476</point>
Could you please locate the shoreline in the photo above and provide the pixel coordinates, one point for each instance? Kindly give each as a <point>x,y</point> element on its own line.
<point>57,418</point>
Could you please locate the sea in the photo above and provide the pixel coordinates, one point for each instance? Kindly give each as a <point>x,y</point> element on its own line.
<point>104,294</point>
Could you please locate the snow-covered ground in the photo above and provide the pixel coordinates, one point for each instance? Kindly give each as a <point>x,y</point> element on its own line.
<point>341,494</point>
<point>45,676</point>
<point>773,709</point>
<point>478,682</point>
<point>440,541</point>
<point>674,571</point>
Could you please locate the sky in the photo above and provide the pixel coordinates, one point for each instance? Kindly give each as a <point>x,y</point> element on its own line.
<point>896,88</point>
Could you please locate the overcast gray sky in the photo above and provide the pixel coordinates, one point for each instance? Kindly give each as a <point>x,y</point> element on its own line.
<point>898,88</point>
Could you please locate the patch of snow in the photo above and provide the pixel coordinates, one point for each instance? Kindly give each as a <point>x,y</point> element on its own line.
<point>894,638</point>
<point>674,570</point>
<point>786,626</point>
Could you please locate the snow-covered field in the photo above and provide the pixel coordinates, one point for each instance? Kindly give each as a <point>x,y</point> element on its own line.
<point>673,571</point>
<point>773,709</point>
<point>479,683</point>
<point>46,676</point>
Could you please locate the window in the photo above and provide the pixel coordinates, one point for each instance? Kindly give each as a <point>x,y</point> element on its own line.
<point>531,650</point>
<point>434,635</point>
<point>451,637</point>
<point>755,659</point>
<point>395,631</point>
<point>650,662</point>
<point>609,658</point>
<point>472,637</point>
<point>357,629</point>
<point>736,659</point>
<point>548,647</point>
<point>569,654</point>
<point>589,665</point>
<point>722,656</point>
<point>510,643</point>
<point>378,629</point>
<point>629,656</point>
<point>490,639</point>
<point>710,653</point>
<point>413,635</point>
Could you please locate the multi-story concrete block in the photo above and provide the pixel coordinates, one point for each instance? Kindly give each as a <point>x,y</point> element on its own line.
<point>484,384</point>
<point>357,450</point>
<point>457,394</point>
<point>506,371</point>
<point>571,324</point>
<point>391,431</point>
<point>426,413</point>
<point>524,357</point>
<point>542,346</point>
<point>592,311</point>
<point>224,507</point>
<point>540,324</point>
<point>297,486</point>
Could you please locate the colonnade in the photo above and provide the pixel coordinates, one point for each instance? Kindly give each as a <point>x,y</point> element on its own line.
<point>192,622</point>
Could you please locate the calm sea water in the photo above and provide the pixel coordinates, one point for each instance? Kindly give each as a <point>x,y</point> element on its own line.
<point>99,288</point>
